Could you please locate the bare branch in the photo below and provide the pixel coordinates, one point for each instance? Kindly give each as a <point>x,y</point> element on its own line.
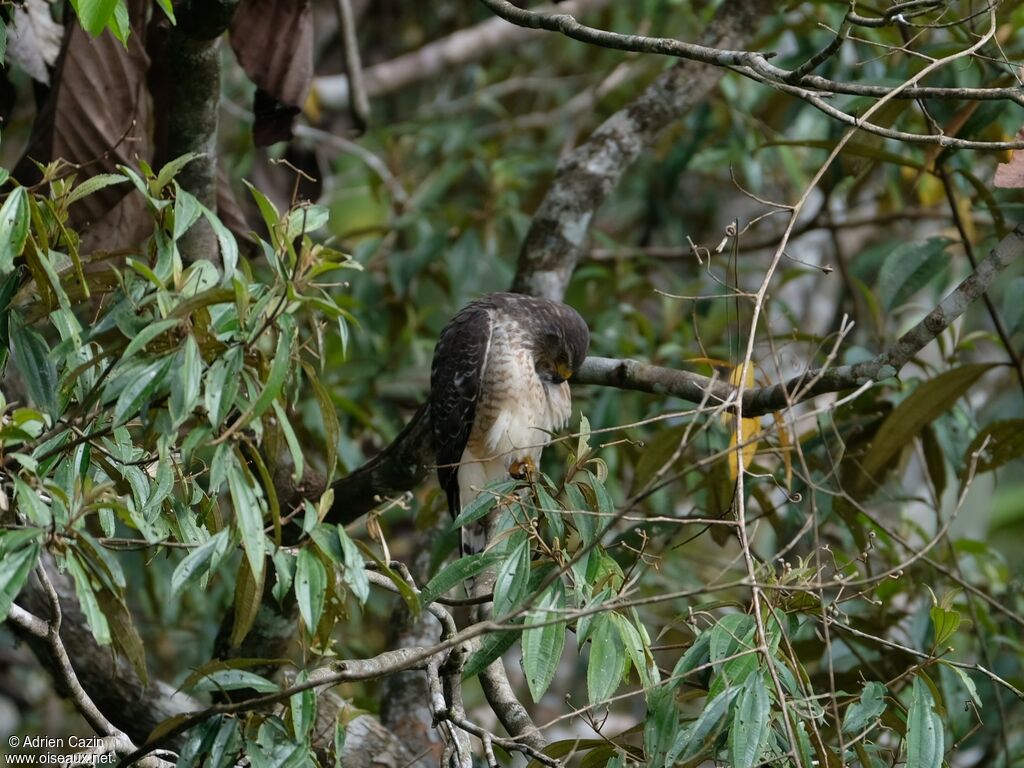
<point>359,103</point>
<point>455,50</point>
<point>586,176</point>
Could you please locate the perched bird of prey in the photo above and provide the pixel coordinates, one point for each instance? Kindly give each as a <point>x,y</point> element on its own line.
<point>497,389</point>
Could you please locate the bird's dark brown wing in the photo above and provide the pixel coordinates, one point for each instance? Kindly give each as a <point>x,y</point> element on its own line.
<point>455,382</point>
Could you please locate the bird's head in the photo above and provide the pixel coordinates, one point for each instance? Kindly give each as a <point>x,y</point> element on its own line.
<point>562,347</point>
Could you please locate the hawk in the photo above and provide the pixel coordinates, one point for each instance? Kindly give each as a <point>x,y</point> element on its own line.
<point>498,387</point>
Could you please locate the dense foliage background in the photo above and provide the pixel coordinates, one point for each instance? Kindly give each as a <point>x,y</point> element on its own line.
<point>224,266</point>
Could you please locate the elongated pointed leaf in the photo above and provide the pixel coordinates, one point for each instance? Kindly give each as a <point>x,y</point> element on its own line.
<point>234,680</point>
<point>512,579</point>
<point>455,573</point>
<point>310,586</point>
<point>14,570</point>
<point>191,567</point>
<point>750,723</point>
<point>607,660</point>
<point>930,400</point>
<point>698,738</point>
<point>141,389</point>
<point>32,358</point>
<point>14,221</point>
<point>249,519</point>
<point>542,646</point>
<point>483,503</point>
<point>924,729</point>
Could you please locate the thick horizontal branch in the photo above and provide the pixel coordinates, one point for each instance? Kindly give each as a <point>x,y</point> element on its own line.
<point>632,374</point>
<point>406,462</point>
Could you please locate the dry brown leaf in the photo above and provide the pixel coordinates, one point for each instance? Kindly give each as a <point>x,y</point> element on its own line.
<point>34,38</point>
<point>273,41</point>
<point>1010,175</point>
<point>97,115</point>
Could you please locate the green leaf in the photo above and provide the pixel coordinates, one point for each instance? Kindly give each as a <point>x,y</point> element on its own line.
<point>168,8</point>
<point>228,245</point>
<point>412,599</point>
<point>750,723</point>
<point>14,570</point>
<point>32,359</point>
<point>513,578</point>
<point>278,371</point>
<point>94,616</point>
<point>248,519</point>
<point>607,660</point>
<point>119,24</point>
<point>869,707</point>
<point>1013,305</point>
<point>329,416</point>
<point>187,211</point>
<point>310,587</point>
<point>191,567</point>
<point>94,14</point>
<point>457,572</point>
<point>972,689</point>
<point>141,389</point>
<point>14,222</point>
<point>945,621</point>
<point>248,598</point>
<point>1003,441</point>
<point>270,214</point>
<point>222,385</point>
<point>302,708</point>
<point>660,727</point>
<point>926,403</point>
<point>146,335</point>
<point>492,645</point>
<point>306,218</point>
<point>542,646</point>
<point>95,184</point>
<point>355,568</point>
<point>290,439</point>
<point>909,267</point>
<point>697,655</point>
<point>234,680</point>
<point>31,506</point>
<point>636,647</point>
<point>483,503</point>
<point>924,729</point>
<point>187,380</point>
<point>172,169</point>
<point>701,736</point>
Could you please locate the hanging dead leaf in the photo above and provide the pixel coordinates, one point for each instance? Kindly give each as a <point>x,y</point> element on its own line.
<point>33,41</point>
<point>1010,175</point>
<point>273,40</point>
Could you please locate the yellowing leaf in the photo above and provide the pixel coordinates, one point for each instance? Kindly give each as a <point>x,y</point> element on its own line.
<point>749,427</point>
